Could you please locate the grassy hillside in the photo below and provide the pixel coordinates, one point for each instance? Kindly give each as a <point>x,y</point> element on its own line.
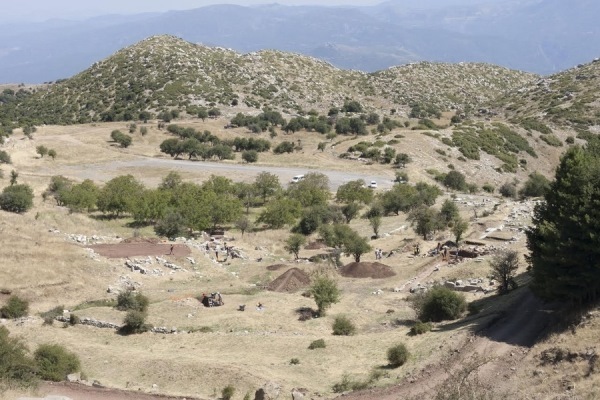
<point>164,72</point>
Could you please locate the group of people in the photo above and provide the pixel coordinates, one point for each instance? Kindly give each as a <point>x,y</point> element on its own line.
<point>378,254</point>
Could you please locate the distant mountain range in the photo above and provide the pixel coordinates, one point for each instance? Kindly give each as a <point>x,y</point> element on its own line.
<point>541,36</point>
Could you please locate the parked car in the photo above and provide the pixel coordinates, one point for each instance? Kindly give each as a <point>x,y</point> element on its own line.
<point>297,178</point>
<point>373,185</point>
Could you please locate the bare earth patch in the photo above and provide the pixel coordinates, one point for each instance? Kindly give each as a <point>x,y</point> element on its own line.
<point>124,250</point>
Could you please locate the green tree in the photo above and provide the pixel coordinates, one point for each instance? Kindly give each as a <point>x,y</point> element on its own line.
<point>321,146</point>
<point>267,185</point>
<point>355,245</point>
<point>563,242</point>
<point>294,243</point>
<point>83,196</point>
<point>350,211</point>
<point>41,150</point>
<point>52,154</point>
<point>375,222</point>
<point>150,205</point>
<point>171,181</point>
<point>203,114</point>
<point>536,186</point>
<point>250,156</point>
<point>16,198</point>
<point>171,225</point>
<point>144,130</point>
<point>459,227</point>
<point>449,212</point>
<point>354,191</point>
<point>388,155</point>
<point>425,221</point>
<point>325,292</point>
<point>17,369</point>
<point>119,195</point>
<point>280,212</point>
<point>313,190</point>
<point>56,188</point>
<point>504,267</point>
<point>4,157</point>
<point>438,304</point>
<point>402,159</point>
<point>455,180</point>
<point>15,307</point>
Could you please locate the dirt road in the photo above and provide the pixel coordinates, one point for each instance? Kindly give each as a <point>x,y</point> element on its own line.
<point>75,391</point>
<point>494,351</point>
<point>105,171</point>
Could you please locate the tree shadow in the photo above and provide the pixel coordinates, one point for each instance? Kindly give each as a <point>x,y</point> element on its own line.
<point>104,217</point>
<point>518,318</point>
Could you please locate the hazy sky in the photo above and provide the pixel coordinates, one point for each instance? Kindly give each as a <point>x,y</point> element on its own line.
<point>38,10</point>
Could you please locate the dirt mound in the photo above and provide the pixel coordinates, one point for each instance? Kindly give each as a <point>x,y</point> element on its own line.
<point>373,270</point>
<point>290,281</point>
<point>276,267</point>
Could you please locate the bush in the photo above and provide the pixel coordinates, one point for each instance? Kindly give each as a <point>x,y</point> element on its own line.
<point>348,384</point>
<point>4,157</point>
<point>397,355</point>
<point>284,147</point>
<point>342,326</point>
<point>134,322</point>
<point>129,300</point>
<point>15,307</point>
<point>420,327</point>
<point>439,304</point>
<point>295,361</point>
<point>54,362</point>
<point>16,367</point>
<point>227,392</point>
<point>16,198</point>
<point>250,156</point>
<point>508,189</point>
<point>49,316</point>
<point>317,344</point>
<point>74,319</point>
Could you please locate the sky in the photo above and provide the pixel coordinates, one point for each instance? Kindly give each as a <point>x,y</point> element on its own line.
<point>41,10</point>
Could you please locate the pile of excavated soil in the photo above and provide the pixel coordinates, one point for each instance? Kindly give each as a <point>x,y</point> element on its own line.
<point>291,280</point>
<point>373,270</point>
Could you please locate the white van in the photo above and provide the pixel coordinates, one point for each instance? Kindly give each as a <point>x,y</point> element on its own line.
<point>297,178</point>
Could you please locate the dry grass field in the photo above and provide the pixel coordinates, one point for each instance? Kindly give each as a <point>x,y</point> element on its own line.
<point>215,347</point>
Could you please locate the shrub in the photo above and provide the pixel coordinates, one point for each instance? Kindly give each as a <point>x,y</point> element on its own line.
<point>134,322</point>
<point>348,384</point>
<point>508,189</point>
<point>317,344</point>
<point>295,361</point>
<point>52,153</point>
<point>15,307</point>
<point>325,292</point>
<point>16,367</point>
<point>54,362</point>
<point>342,326</point>
<point>397,355</point>
<point>16,198</point>
<point>129,300</point>
<point>49,316</point>
<point>420,327</point>
<point>227,392</point>
<point>551,140</point>
<point>439,304</point>
<point>488,188</point>
<point>4,157</point>
<point>74,319</point>
<point>250,156</point>
<point>284,147</point>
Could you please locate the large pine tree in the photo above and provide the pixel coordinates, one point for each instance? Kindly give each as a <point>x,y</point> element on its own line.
<point>565,238</point>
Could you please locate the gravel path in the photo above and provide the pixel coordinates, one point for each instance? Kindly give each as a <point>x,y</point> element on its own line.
<point>105,171</point>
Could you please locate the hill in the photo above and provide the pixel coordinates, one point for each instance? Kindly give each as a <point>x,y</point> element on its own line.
<point>538,36</point>
<point>165,72</point>
<point>567,100</point>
